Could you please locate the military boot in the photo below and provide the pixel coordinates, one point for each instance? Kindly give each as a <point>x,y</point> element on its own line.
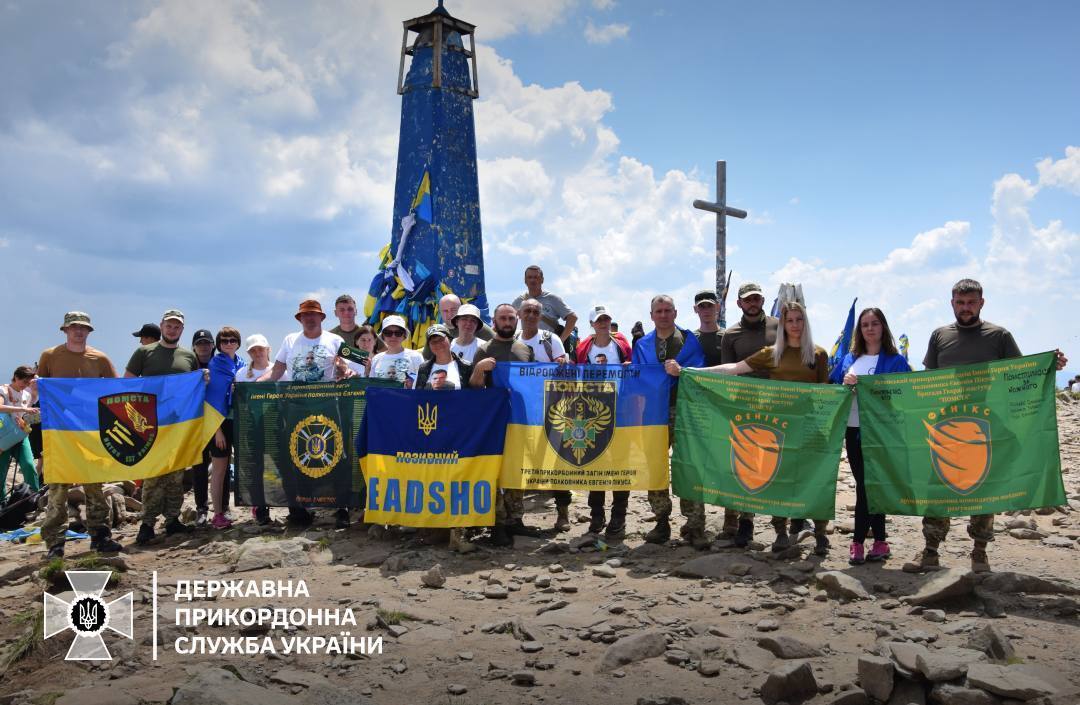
<point>617,528</point>
<point>979,561</point>
<point>598,521</point>
<point>661,533</point>
<point>562,520</point>
<point>927,559</point>
<point>102,541</point>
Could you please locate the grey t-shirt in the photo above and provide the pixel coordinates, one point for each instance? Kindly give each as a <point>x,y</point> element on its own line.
<point>551,307</point>
<point>954,345</point>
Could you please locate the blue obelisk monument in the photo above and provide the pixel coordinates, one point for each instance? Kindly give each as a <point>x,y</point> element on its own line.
<point>436,246</point>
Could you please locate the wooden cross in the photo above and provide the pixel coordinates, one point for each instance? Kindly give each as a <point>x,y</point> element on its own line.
<point>722,210</point>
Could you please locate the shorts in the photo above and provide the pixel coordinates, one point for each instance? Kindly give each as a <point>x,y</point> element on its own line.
<point>227,429</point>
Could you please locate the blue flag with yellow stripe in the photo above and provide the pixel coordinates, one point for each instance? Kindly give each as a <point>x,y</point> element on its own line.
<point>585,427</point>
<point>432,458</point>
<point>101,430</point>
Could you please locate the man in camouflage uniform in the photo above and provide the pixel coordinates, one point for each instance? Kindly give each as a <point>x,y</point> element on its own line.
<point>74,358</point>
<point>163,494</point>
<point>669,342</point>
<point>967,341</point>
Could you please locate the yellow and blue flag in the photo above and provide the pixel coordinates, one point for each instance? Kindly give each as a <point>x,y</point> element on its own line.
<point>421,204</point>
<point>585,427</point>
<point>101,430</point>
<point>432,458</point>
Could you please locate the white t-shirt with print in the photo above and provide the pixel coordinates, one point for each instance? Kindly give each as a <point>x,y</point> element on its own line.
<point>242,374</point>
<point>309,359</point>
<point>465,352</point>
<point>397,366</point>
<point>539,351</point>
<point>863,365</point>
<point>611,350</point>
<point>453,377</point>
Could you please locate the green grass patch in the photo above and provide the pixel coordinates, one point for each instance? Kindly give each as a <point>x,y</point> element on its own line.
<point>29,641</point>
<point>391,617</point>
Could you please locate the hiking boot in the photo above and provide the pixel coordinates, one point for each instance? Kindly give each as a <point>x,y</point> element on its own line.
<point>979,561</point>
<point>796,526</point>
<point>731,524</point>
<point>856,554</point>
<point>617,528</point>
<point>261,514</point>
<point>175,526</point>
<point>744,533</point>
<point>458,542</point>
<point>879,551</point>
<point>821,545</point>
<point>56,551</point>
<point>299,517</point>
<point>562,520</point>
<point>145,536</point>
<point>782,542</point>
<point>598,522</point>
<point>501,535</point>
<point>341,519</point>
<point>697,539</point>
<point>518,528</point>
<point>661,533</point>
<point>927,559</point>
<point>102,542</point>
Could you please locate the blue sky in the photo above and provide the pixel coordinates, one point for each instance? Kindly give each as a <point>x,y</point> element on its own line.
<point>231,158</point>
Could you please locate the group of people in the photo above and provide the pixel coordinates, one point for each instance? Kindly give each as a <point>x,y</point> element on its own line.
<point>462,351</point>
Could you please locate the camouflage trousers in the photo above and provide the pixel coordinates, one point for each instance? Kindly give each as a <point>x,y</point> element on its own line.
<point>780,524</point>
<point>56,514</point>
<point>660,500</point>
<point>162,495</point>
<point>731,520</point>
<point>509,506</point>
<point>980,528</point>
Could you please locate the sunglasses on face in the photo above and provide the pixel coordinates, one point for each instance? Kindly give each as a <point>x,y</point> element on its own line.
<point>230,341</point>
<point>393,333</point>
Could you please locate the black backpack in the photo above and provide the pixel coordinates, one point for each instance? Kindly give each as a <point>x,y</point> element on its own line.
<point>20,502</point>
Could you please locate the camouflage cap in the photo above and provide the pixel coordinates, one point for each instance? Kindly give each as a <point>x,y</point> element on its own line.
<point>173,314</point>
<point>79,317</point>
<point>438,329</point>
<point>750,289</point>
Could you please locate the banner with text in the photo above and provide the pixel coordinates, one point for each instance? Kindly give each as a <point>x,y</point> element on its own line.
<point>585,427</point>
<point>976,439</point>
<point>432,458</point>
<point>758,445</point>
<point>294,442</point>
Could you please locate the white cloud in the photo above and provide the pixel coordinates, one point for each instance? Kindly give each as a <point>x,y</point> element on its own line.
<point>763,218</point>
<point>605,34</point>
<point>512,189</point>
<point>603,4</point>
<point>1063,173</point>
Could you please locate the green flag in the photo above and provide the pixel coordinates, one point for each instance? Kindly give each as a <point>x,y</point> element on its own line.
<point>759,445</point>
<point>976,439</point>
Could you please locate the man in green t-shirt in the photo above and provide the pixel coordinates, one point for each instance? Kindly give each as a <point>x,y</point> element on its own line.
<point>163,494</point>
<point>967,341</point>
<point>345,310</point>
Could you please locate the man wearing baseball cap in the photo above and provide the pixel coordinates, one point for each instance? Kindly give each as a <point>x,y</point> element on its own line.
<point>309,355</point>
<point>74,358</point>
<point>753,331</point>
<point>149,333</point>
<point>164,494</point>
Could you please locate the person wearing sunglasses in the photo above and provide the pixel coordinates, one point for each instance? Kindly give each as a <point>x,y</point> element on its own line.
<point>223,368</point>
<point>396,362</point>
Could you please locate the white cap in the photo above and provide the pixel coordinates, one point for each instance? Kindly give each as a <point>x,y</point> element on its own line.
<point>597,312</point>
<point>394,321</point>
<point>256,341</point>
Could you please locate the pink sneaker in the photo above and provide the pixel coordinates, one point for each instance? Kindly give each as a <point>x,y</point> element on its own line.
<point>220,521</point>
<point>856,555</point>
<point>879,551</point>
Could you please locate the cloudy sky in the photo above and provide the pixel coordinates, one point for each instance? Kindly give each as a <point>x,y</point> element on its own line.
<point>231,158</point>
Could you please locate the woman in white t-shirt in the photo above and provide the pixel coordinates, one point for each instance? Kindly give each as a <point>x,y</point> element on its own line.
<point>396,362</point>
<point>16,400</point>
<point>258,349</point>
<point>873,352</point>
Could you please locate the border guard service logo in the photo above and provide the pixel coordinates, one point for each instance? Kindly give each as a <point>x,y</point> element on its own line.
<point>88,615</point>
<point>316,445</point>
<point>960,451</point>
<point>127,425</point>
<point>580,419</point>
<point>756,452</point>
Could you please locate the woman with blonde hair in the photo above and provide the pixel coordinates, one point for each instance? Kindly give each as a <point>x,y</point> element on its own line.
<point>794,358</point>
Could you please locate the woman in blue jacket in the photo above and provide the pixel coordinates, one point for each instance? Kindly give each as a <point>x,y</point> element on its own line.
<point>873,351</point>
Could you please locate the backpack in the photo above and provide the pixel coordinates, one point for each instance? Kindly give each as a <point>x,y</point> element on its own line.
<point>19,503</point>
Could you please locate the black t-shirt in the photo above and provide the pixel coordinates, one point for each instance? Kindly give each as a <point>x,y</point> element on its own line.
<point>710,344</point>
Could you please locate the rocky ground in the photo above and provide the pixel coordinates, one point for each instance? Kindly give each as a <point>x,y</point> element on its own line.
<point>568,619</point>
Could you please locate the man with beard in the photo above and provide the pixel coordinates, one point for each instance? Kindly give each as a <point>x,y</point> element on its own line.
<point>968,340</point>
<point>163,494</point>
<point>754,331</point>
<point>510,512</point>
